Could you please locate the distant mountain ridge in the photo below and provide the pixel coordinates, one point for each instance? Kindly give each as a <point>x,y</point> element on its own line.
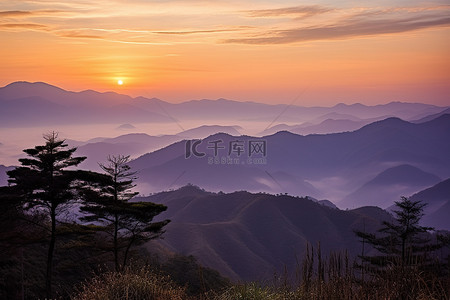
<point>65,107</point>
<point>324,127</point>
<point>36,104</point>
<point>432,116</point>
<point>322,164</point>
<point>137,144</point>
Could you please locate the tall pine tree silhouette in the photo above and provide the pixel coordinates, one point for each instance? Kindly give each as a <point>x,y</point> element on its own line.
<point>44,183</point>
<point>127,223</point>
<point>402,241</point>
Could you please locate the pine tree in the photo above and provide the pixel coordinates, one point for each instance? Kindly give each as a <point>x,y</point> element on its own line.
<point>45,186</point>
<point>402,241</point>
<point>127,223</point>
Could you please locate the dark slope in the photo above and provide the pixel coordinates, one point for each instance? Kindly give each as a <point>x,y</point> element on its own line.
<point>250,236</point>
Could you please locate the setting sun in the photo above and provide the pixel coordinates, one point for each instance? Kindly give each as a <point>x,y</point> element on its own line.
<point>119,82</point>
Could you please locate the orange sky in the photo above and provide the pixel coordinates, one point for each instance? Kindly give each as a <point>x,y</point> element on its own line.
<point>179,50</point>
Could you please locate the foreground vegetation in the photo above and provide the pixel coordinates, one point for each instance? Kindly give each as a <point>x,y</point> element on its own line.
<point>340,282</point>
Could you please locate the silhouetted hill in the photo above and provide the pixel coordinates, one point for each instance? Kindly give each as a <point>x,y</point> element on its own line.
<point>332,122</point>
<point>437,211</point>
<point>95,107</point>
<point>404,174</point>
<point>399,109</point>
<point>432,116</point>
<point>330,126</point>
<point>389,186</point>
<point>126,127</point>
<point>24,89</point>
<point>36,104</point>
<point>249,236</point>
<point>136,144</point>
<point>324,127</point>
<point>133,144</point>
<point>338,116</point>
<point>327,203</point>
<point>207,130</point>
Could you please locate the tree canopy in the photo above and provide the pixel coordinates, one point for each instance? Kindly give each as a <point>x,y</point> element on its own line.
<point>127,223</point>
<point>402,240</point>
<point>45,184</point>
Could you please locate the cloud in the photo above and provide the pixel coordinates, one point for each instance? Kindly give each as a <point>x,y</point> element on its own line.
<point>14,13</point>
<point>357,26</point>
<point>299,11</point>
<point>24,26</point>
<point>78,34</point>
<point>194,31</point>
<point>25,13</point>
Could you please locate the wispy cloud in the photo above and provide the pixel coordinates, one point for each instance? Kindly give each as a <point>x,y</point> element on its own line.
<point>137,42</point>
<point>297,11</point>
<point>14,13</point>
<point>85,34</point>
<point>25,13</point>
<point>194,31</point>
<point>77,34</point>
<point>24,26</point>
<point>261,26</point>
<point>358,25</point>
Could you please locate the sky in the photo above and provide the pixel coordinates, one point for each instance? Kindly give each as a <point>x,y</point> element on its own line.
<point>310,53</point>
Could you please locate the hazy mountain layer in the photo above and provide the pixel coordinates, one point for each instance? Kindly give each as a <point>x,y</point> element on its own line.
<point>31,104</point>
<point>402,180</point>
<point>323,166</point>
<point>437,211</point>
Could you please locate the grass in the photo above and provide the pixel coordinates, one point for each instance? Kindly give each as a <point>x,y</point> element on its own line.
<point>333,277</point>
<point>131,285</point>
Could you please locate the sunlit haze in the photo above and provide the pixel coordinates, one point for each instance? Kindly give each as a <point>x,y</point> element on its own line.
<point>327,52</point>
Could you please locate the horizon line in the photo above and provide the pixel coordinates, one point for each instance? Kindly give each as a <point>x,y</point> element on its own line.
<point>207,99</point>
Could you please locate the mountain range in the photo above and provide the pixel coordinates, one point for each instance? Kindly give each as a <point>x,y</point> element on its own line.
<point>346,167</point>
<point>382,160</point>
<point>391,184</point>
<point>248,236</point>
<point>35,104</point>
<point>137,144</point>
<point>270,192</point>
<point>25,104</point>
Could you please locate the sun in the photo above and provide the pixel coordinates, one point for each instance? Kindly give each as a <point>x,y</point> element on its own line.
<point>120,82</point>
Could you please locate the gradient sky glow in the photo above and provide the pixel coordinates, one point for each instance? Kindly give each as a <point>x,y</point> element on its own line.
<point>265,51</point>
